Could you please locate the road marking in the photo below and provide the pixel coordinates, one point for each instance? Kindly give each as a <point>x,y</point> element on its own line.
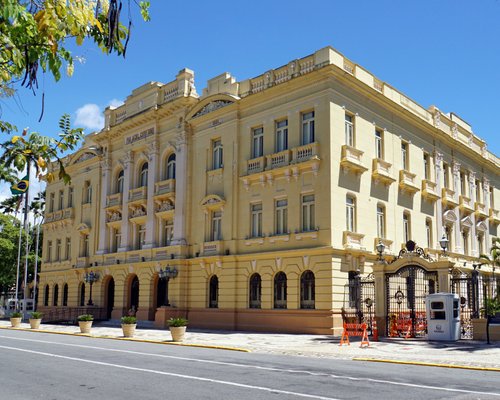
<point>259,367</point>
<point>153,371</point>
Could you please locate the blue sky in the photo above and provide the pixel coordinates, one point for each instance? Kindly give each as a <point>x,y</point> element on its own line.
<point>444,53</point>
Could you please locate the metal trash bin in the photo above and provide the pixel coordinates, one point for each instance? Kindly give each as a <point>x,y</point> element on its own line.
<point>443,316</point>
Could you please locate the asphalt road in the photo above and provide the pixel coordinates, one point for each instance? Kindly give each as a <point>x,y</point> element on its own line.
<point>59,367</point>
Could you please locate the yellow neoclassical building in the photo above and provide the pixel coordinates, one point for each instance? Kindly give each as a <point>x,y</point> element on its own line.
<point>259,205</point>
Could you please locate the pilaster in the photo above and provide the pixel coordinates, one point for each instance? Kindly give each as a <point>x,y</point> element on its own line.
<point>128,164</point>
<point>103,239</point>
<point>181,183</point>
<point>151,221</point>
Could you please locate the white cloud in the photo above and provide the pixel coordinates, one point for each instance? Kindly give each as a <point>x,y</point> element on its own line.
<point>115,103</point>
<point>90,116</point>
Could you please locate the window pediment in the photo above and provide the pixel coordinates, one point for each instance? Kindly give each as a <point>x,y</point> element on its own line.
<point>212,202</point>
<point>211,104</point>
<point>83,228</point>
<point>466,223</point>
<point>449,217</point>
<point>481,227</point>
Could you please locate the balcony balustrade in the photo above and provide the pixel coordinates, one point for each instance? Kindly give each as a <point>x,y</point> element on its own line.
<point>352,160</point>
<point>448,197</point>
<point>305,152</point>
<point>408,182</point>
<point>429,190</point>
<point>494,216</point>
<point>280,159</point>
<point>138,195</point>
<point>256,165</point>
<point>114,200</point>
<point>466,205</point>
<point>381,171</point>
<point>480,210</point>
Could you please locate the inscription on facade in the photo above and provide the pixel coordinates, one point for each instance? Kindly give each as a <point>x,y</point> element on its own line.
<point>139,136</point>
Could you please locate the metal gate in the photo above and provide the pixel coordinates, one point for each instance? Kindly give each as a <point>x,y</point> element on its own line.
<point>467,288</point>
<point>359,299</point>
<point>406,290</point>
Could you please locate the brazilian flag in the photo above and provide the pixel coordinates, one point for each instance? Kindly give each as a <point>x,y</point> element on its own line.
<point>21,186</point>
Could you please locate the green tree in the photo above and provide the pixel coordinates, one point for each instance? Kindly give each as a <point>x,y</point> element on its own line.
<point>492,259</point>
<point>9,236</point>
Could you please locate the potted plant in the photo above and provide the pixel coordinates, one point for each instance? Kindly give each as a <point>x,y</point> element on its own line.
<point>15,319</point>
<point>85,322</point>
<point>129,324</point>
<point>177,328</point>
<point>36,319</point>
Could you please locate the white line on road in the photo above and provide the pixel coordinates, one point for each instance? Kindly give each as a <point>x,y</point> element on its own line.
<point>259,367</point>
<point>152,371</point>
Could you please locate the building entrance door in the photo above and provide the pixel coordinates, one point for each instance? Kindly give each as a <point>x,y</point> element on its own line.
<point>110,298</point>
<point>134,293</point>
<point>406,290</point>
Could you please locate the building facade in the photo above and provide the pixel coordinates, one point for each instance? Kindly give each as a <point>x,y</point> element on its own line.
<point>255,205</point>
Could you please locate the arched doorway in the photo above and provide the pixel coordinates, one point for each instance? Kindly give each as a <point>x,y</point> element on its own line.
<point>407,289</point>
<point>161,292</point>
<point>110,297</point>
<point>134,293</point>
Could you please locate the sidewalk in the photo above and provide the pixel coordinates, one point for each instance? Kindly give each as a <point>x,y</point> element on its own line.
<point>464,354</point>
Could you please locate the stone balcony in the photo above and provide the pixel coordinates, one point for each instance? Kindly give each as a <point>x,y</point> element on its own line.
<point>408,182</point>
<point>305,152</point>
<point>480,210</point>
<point>494,216</point>
<point>280,159</point>
<point>82,262</point>
<point>352,160</point>
<point>62,217</point>
<point>353,240</point>
<point>256,165</point>
<point>466,205</point>
<point>165,189</point>
<point>114,201</point>
<point>448,198</point>
<point>429,190</point>
<point>212,248</point>
<point>138,195</point>
<point>381,171</point>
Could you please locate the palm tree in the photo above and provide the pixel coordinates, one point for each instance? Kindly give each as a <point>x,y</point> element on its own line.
<point>493,259</point>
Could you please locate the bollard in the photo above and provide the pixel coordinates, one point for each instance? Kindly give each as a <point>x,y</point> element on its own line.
<point>374,331</point>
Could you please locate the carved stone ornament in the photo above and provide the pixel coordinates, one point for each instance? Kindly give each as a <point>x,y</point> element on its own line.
<point>412,250</point>
<point>212,106</point>
<point>454,131</point>
<point>439,157</point>
<point>486,184</point>
<point>456,168</point>
<point>165,206</point>
<point>84,157</point>
<point>128,158</point>
<point>114,216</point>
<point>437,119</point>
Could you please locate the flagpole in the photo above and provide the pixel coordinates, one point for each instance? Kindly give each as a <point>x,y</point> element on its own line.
<point>36,266</point>
<point>18,261</point>
<point>26,211</point>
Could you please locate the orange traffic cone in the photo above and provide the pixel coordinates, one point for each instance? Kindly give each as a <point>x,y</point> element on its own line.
<point>374,331</point>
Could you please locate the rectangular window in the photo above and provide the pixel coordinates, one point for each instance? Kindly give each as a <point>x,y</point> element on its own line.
<point>308,127</point>
<point>70,196</point>
<point>428,233</point>
<point>58,249</point>
<point>217,154</point>
<point>446,176</point>
<point>49,251</point>
<point>406,227</point>
<point>380,222</point>
<point>463,184</point>
<point>349,130</point>
<point>85,246</point>
<point>257,142</point>
<point>478,192</point>
<point>61,199</point>
<point>117,238</point>
<point>350,214</point>
<point>51,202</point>
<point>427,167</point>
<point>379,144</point>
<point>68,248</point>
<point>404,156</point>
<point>169,232</point>
<point>87,192</point>
<point>256,223</point>
<point>281,217</point>
<point>215,231</point>
<point>281,135</point>
<point>308,218</point>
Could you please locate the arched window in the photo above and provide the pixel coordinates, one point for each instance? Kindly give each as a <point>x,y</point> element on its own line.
<point>171,166</point>
<point>65,295</point>
<point>280,290</point>
<point>82,295</point>
<point>143,177</point>
<point>213,295</point>
<point>307,290</point>
<point>56,295</point>
<point>255,291</point>
<point>46,297</point>
<point>119,181</point>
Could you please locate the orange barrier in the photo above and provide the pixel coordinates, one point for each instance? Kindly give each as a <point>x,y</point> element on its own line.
<point>402,326</point>
<point>374,330</point>
<point>354,330</point>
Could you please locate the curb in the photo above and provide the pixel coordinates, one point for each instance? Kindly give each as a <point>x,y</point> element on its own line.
<point>203,346</point>
<point>427,364</point>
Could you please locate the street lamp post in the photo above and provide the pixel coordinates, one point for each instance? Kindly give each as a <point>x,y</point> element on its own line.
<point>167,273</point>
<point>444,243</point>
<point>90,278</point>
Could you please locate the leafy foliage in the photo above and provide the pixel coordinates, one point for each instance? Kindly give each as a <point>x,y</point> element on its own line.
<point>128,320</point>
<point>36,315</point>
<point>85,317</point>
<point>176,322</point>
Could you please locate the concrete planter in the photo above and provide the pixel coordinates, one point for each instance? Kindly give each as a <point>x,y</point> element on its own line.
<point>479,330</point>
<point>128,330</point>
<point>85,326</point>
<point>177,333</point>
<point>15,322</point>
<point>35,323</point>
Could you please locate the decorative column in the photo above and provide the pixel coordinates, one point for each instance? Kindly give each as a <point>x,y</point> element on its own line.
<point>486,201</point>
<point>105,189</point>
<point>150,205</point>
<point>456,186</point>
<point>472,192</point>
<point>128,165</point>
<point>438,167</point>
<point>181,183</point>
